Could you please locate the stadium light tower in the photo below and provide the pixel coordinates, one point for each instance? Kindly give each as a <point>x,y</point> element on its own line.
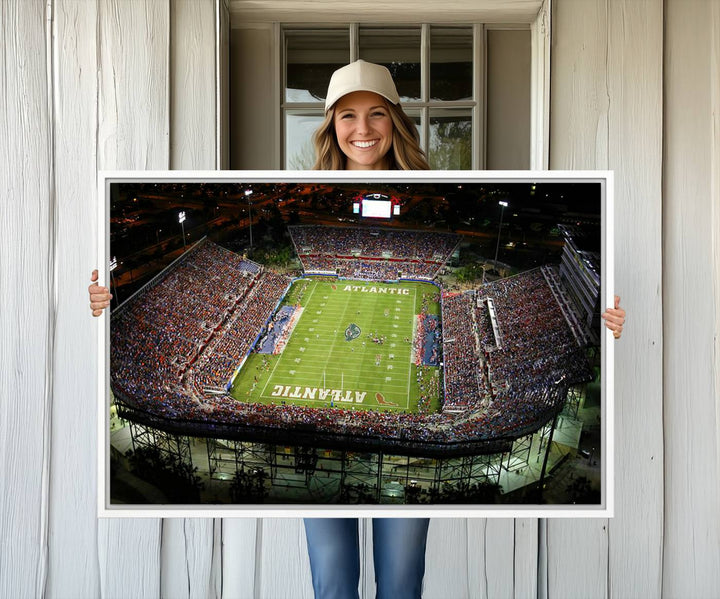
<point>248,193</point>
<point>181,220</point>
<point>502,205</point>
<point>113,266</point>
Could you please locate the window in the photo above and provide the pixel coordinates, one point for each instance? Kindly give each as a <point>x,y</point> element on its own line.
<point>437,70</point>
<point>468,88</point>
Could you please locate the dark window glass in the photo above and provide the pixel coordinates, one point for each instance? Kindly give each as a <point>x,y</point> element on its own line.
<point>311,57</point>
<point>398,50</point>
<point>451,63</point>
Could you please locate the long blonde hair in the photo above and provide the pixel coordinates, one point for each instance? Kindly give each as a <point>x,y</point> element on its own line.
<point>405,154</point>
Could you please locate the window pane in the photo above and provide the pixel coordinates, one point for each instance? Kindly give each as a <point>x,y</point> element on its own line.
<point>450,139</point>
<point>398,50</point>
<point>299,150</point>
<point>311,58</point>
<point>414,115</point>
<point>451,55</point>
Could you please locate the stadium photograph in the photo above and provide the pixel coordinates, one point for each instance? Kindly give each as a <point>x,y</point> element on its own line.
<point>380,343</point>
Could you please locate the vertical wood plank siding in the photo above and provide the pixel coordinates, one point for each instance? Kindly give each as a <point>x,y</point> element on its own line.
<point>447,558</point>
<point>282,566</point>
<point>635,87</point>
<point>26,298</point>
<point>222,54</point>
<point>491,548</point>
<point>691,324</point>
<point>187,558</point>
<point>73,556</point>
<point>606,112</point>
<point>526,568</point>
<point>115,84</point>
<point>193,85</point>
<point>714,274</point>
<point>240,558</point>
<point>133,124</point>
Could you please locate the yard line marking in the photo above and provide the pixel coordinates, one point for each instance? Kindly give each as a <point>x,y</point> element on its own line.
<point>262,394</point>
<point>412,342</point>
<point>312,291</point>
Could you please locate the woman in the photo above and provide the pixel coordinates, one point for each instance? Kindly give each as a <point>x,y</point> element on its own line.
<point>363,122</point>
<point>365,129</point>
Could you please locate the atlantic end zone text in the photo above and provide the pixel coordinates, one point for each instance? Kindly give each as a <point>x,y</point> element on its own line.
<point>374,289</point>
<point>318,393</point>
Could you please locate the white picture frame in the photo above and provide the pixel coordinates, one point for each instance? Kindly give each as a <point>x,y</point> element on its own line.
<point>603,509</point>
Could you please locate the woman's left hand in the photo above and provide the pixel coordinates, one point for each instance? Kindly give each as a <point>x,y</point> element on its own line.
<point>615,318</point>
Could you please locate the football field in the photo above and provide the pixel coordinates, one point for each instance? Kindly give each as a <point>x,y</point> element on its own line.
<point>350,345</point>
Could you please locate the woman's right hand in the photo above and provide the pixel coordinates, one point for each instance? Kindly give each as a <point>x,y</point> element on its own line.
<point>99,296</point>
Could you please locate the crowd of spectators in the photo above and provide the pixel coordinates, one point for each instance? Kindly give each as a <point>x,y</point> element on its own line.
<point>539,357</point>
<point>190,327</point>
<point>184,335</point>
<point>375,269</point>
<point>465,385</point>
<point>538,346</point>
<point>377,254</point>
<point>238,335</point>
<point>372,242</point>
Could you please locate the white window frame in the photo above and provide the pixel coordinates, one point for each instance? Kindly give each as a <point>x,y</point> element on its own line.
<point>539,71</point>
<point>476,106</point>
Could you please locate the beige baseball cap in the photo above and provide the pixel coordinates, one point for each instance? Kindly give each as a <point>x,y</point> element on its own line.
<point>361,76</point>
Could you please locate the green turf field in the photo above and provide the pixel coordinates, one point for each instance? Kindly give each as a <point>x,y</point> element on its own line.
<point>330,358</point>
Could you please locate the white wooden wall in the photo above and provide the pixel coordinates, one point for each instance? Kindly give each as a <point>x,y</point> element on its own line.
<point>606,112</point>
<point>118,84</point>
<point>691,299</point>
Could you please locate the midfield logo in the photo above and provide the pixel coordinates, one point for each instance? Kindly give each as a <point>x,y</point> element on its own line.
<point>352,332</point>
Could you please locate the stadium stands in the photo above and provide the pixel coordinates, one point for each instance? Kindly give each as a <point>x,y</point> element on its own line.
<point>377,254</point>
<point>176,344</point>
<point>190,329</point>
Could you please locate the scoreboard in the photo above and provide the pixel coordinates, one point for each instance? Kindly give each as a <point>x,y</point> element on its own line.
<point>376,205</point>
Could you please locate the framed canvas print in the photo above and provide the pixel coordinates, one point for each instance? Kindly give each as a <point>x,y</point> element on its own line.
<point>334,343</point>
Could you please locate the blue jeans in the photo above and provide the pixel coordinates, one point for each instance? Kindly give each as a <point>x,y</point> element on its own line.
<point>398,552</point>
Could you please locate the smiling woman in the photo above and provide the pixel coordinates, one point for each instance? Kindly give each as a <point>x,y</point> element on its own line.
<point>365,128</point>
